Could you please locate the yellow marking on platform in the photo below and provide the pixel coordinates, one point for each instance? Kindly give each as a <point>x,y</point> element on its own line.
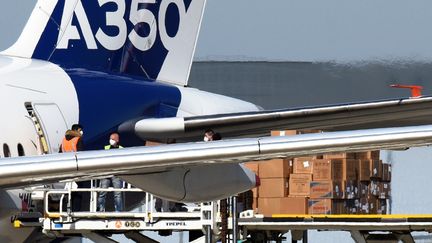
<point>52,215</point>
<point>17,224</point>
<point>354,216</point>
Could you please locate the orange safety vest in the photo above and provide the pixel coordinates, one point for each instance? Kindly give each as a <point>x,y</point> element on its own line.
<point>71,145</point>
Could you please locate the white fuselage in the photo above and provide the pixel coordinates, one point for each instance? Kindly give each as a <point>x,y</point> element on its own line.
<point>47,90</point>
<point>37,82</point>
<point>25,81</point>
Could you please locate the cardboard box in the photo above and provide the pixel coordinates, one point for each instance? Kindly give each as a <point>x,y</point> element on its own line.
<point>381,206</point>
<point>246,200</point>
<point>363,189</point>
<point>374,155</point>
<point>299,184</point>
<point>384,190</point>
<point>326,169</point>
<point>352,206</point>
<point>285,205</point>
<point>273,187</point>
<point>364,206</point>
<point>307,131</point>
<point>364,170</point>
<point>386,172</point>
<point>153,143</point>
<point>339,156</point>
<point>340,206</point>
<point>351,189</point>
<point>321,206</point>
<point>376,168</point>
<point>253,166</point>
<point>303,165</point>
<point>369,205</point>
<point>304,158</point>
<point>373,205</point>
<point>275,168</point>
<point>326,189</point>
<point>350,169</point>
<point>283,133</point>
<point>374,188</point>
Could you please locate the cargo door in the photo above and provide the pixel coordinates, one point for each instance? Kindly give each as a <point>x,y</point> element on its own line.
<point>52,122</point>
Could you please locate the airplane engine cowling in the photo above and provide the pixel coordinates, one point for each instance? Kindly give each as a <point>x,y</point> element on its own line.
<point>196,184</point>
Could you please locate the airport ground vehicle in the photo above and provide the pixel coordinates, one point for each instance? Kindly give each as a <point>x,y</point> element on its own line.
<point>250,227</point>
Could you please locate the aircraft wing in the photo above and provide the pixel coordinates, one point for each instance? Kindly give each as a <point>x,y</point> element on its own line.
<point>375,114</point>
<point>22,171</point>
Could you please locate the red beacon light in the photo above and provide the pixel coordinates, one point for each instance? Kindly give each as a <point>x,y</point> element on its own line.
<point>416,90</point>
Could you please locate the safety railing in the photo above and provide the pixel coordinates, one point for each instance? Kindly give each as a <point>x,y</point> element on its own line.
<point>61,208</point>
<point>58,203</point>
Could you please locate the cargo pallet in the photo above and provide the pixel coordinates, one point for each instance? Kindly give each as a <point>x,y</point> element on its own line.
<point>363,228</point>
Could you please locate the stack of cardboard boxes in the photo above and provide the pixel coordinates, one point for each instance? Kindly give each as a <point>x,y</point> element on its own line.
<point>276,184</point>
<point>335,183</point>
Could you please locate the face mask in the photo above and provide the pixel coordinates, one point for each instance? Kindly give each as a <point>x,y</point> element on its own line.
<point>206,139</point>
<point>112,142</point>
<point>81,132</point>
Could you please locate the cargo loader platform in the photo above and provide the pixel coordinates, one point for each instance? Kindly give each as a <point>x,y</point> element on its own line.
<point>363,228</point>
<point>98,226</point>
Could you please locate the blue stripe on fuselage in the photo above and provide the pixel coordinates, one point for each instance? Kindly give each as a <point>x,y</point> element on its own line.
<point>106,101</point>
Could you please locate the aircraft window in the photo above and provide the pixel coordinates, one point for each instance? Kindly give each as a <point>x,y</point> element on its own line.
<point>20,150</point>
<point>6,150</point>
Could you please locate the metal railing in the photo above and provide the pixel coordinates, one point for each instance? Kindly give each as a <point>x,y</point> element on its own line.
<point>62,210</point>
<point>62,207</point>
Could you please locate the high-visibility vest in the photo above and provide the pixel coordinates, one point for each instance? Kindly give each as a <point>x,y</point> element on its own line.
<point>70,145</point>
<point>109,147</point>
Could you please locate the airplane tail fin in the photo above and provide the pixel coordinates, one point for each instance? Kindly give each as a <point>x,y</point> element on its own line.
<point>149,38</point>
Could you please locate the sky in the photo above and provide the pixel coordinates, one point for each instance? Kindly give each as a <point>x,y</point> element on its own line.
<point>306,30</point>
<point>13,17</point>
<point>294,30</point>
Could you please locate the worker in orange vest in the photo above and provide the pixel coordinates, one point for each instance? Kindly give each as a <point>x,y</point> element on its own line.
<point>72,141</point>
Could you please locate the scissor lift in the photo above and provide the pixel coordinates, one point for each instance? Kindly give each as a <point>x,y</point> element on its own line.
<point>252,227</point>
<point>98,226</point>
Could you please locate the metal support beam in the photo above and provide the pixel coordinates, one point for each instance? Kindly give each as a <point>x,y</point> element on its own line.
<point>224,220</point>
<point>138,237</point>
<point>208,234</point>
<point>305,236</point>
<point>234,219</point>
<point>98,237</point>
<point>405,237</point>
<point>358,236</point>
<point>296,235</point>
